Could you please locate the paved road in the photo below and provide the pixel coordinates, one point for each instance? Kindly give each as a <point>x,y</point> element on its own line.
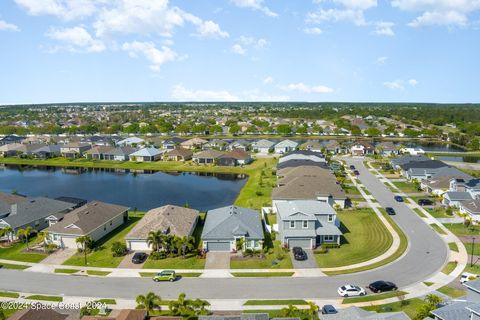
<point>426,255</point>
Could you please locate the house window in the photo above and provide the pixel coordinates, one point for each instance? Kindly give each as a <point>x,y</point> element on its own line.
<point>292,224</point>
<point>330,217</point>
<point>328,238</point>
<point>305,224</point>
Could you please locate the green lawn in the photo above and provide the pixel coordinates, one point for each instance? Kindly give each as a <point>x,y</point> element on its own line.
<point>13,266</point>
<point>271,219</point>
<point>295,302</point>
<point>7,294</point>
<point>420,213</point>
<point>351,190</point>
<point>261,274</point>
<point>416,198</point>
<point>16,252</point>
<point>476,248</point>
<point>102,256</point>
<point>268,262</point>
<point>475,269</point>
<point>439,213</point>
<point>452,292</point>
<point>459,229</point>
<point>406,187</point>
<point>191,262</point>
<point>364,237</point>
<point>98,273</point>
<point>373,297</point>
<point>67,271</point>
<point>449,267</point>
<point>453,246</point>
<point>45,298</point>
<point>408,306</point>
<point>107,301</point>
<point>437,228</point>
<point>7,312</point>
<point>428,283</point>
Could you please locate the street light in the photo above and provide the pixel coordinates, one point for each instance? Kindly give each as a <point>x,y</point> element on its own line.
<point>473,247</point>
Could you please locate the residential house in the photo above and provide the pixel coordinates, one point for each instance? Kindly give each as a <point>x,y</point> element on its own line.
<point>95,219</point>
<point>39,314</point>
<point>35,212</point>
<point>470,185</point>
<point>11,150</point>
<point>217,144</point>
<point>294,163</point>
<point>238,144</point>
<point>169,219</point>
<point>146,155</point>
<point>334,147</point>
<point>413,151</point>
<point>131,141</point>
<point>312,145</point>
<point>471,208</point>
<point>119,153</point>
<point>234,158</point>
<point>129,314</point>
<point>77,202</point>
<point>74,150</point>
<point>178,154</point>
<point>207,156</point>
<point>303,155</point>
<point>386,149</point>
<point>357,313</point>
<point>194,143</point>
<point>426,169</point>
<point>171,143</point>
<point>285,146</point>
<point>227,227</point>
<point>359,122</point>
<point>361,148</point>
<point>46,152</point>
<point>98,152</point>
<point>397,163</point>
<point>464,308</point>
<point>307,223</point>
<point>9,139</point>
<point>455,198</point>
<point>437,186</point>
<point>263,146</point>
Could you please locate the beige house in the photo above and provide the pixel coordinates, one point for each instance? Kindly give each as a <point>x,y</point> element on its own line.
<point>178,154</point>
<point>194,143</point>
<point>74,150</point>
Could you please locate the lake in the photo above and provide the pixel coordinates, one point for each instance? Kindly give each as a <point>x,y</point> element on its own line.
<point>141,190</point>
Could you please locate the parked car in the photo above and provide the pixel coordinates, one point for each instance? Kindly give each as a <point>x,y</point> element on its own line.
<point>356,172</point>
<point>467,276</point>
<point>398,198</point>
<point>425,202</point>
<point>329,309</point>
<point>139,257</point>
<point>299,254</point>
<point>352,167</point>
<point>382,286</point>
<point>390,211</point>
<point>350,290</point>
<point>165,275</point>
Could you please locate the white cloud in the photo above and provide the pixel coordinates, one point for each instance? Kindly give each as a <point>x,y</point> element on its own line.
<point>400,84</point>
<point>314,30</point>
<point>384,28</point>
<point>412,82</point>
<point>255,5</point>
<point>381,60</point>
<point>238,49</point>
<point>156,57</point>
<point>357,4</point>
<point>337,15</point>
<point>211,29</point>
<point>64,9</point>
<point>268,80</point>
<point>181,93</point>
<point>449,18</point>
<point>244,43</point>
<point>303,88</point>
<point>76,39</point>
<point>5,26</point>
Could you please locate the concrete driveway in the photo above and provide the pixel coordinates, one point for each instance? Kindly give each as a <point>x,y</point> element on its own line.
<point>59,256</point>
<point>217,260</point>
<point>305,264</point>
<point>128,264</point>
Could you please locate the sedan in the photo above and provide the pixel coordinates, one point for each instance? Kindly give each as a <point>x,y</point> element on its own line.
<point>356,172</point>
<point>352,167</point>
<point>139,257</point>
<point>350,290</point>
<point>382,286</point>
<point>398,198</point>
<point>425,202</point>
<point>299,254</point>
<point>390,211</point>
<point>329,309</point>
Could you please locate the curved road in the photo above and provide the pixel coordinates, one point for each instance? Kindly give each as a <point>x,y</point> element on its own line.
<point>425,256</point>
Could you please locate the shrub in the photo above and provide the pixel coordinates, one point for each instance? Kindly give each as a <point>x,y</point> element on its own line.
<point>248,253</point>
<point>119,249</point>
<point>259,193</point>
<point>321,250</point>
<point>159,255</point>
<point>330,245</point>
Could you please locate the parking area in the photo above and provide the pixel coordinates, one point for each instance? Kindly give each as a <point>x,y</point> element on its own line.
<point>305,264</point>
<point>218,260</point>
<point>128,264</point>
<point>59,256</point>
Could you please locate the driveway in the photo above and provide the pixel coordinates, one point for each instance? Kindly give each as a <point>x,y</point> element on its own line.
<point>59,256</point>
<point>128,264</point>
<point>305,264</point>
<point>217,260</point>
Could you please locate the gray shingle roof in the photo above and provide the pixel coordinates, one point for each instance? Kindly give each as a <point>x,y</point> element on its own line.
<point>408,158</point>
<point>454,311</point>
<point>146,152</point>
<point>457,196</point>
<point>473,285</point>
<point>309,208</point>
<point>263,144</point>
<point>223,223</point>
<point>286,143</point>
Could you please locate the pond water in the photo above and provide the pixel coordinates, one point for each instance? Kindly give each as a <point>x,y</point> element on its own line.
<point>141,190</point>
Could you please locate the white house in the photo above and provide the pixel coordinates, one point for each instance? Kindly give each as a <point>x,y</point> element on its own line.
<point>263,146</point>
<point>146,155</point>
<point>285,146</point>
<point>131,141</point>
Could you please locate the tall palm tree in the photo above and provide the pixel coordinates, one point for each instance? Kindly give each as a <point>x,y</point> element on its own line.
<point>8,231</point>
<point>312,308</point>
<point>85,242</point>
<point>155,240</point>
<point>290,312</point>
<point>24,234</point>
<point>148,302</point>
<point>182,306</point>
<point>44,237</point>
<point>187,244</point>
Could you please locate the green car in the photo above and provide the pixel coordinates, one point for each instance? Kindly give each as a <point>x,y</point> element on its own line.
<point>165,275</point>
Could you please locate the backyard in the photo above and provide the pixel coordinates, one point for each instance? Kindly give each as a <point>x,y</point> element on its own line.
<point>17,251</point>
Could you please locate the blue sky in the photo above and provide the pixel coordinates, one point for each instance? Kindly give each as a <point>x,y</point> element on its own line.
<point>239,50</point>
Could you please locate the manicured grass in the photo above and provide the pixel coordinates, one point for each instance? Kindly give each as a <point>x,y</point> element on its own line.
<point>452,292</point>
<point>295,302</point>
<point>271,219</point>
<point>416,198</point>
<point>428,283</point>
<point>406,187</point>
<point>268,262</point>
<point>459,229</point>
<point>69,271</point>
<point>191,262</point>
<point>410,307</point>
<point>476,248</point>
<point>437,228</point>
<point>373,297</point>
<point>8,312</point>
<point>183,274</point>
<point>420,213</point>
<point>7,294</point>
<point>475,269</point>
<point>449,267</point>
<point>453,246</point>
<point>401,249</point>
<point>439,213</point>
<point>107,301</point>
<point>101,256</point>
<point>364,238</point>
<point>351,190</point>
<point>261,274</point>
<point>45,298</point>
<point>16,252</point>
<point>13,266</point>
<point>98,273</point>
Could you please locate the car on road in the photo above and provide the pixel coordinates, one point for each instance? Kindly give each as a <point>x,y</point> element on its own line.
<point>382,286</point>
<point>329,309</point>
<point>390,211</point>
<point>299,254</point>
<point>425,202</point>
<point>165,275</point>
<point>398,198</point>
<point>352,167</point>
<point>139,257</point>
<point>467,276</point>
<point>356,173</point>
<point>351,290</point>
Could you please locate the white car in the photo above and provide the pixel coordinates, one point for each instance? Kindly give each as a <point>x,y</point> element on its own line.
<point>467,276</point>
<point>351,291</point>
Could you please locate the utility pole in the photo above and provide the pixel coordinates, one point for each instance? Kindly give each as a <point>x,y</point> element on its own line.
<point>473,248</point>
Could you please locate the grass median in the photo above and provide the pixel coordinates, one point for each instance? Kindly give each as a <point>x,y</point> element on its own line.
<point>374,297</point>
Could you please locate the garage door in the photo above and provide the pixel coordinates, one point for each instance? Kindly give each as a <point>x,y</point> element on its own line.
<point>302,243</point>
<point>138,245</point>
<point>69,242</point>
<point>218,246</point>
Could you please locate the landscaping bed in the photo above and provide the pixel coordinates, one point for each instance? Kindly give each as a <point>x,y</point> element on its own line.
<point>276,257</point>
<point>17,251</point>
<point>410,307</point>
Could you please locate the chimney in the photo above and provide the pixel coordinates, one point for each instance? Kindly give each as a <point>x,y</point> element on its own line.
<point>13,209</point>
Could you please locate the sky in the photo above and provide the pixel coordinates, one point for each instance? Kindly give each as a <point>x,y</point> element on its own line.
<point>55,51</point>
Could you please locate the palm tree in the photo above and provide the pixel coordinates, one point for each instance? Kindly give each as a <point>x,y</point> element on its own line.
<point>85,242</point>
<point>8,231</point>
<point>24,234</point>
<point>186,244</point>
<point>43,237</point>
<point>182,306</point>
<point>155,240</point>
<point>149,302</point>
<point>290,312</point>
<point>200,307</point>
<point>312,308</point>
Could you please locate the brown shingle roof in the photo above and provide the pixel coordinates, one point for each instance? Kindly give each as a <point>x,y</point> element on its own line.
<point>10,199</point>
<point>132,314</point>
<point>41,314</point>
<point>100,150</point>
<point>238,154</point>
<point>208,154</point>
<point>179,152</point>
<point>177,220</point>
